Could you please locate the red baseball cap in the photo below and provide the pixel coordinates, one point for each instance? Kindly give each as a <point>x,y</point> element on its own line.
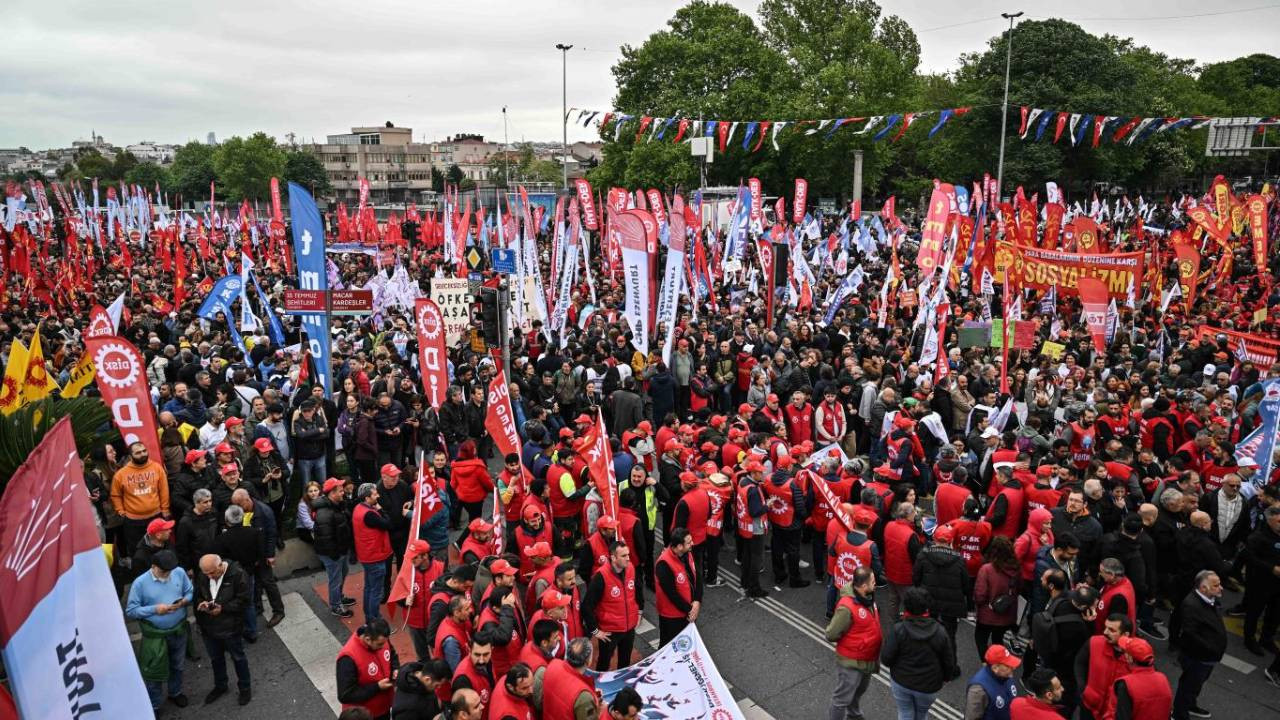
<point>607,522</point>
<point>864,516</point>
<point>717,420</point>
<point>688,480</point>
<point>530,511</point>
<point>330,485</point>
<point>553,598</point>
<point>707,447</point>
<point>786,461</point>
<point>501,567</point>
<point>673,445</point>
<point>584,419</point>
<point>417,547</point>
<point>263,444</point>
<point>644,428</point>
<point>159,525</point>
<point>753,466</point>
<point>999,655</point>
<point>479,525</point>
<point>566,432</point>
<point>1137,648</point>
<point>686,429</point>
<point>229,468</point>
<point>225,447</point>
<point>234,421</point>
<point>540,549</point>
<point>944,534</point>
<point>708,467</point>
<point>746,409</point>
<point>193,455</point>
<point>773,397</point>
<point>390,469</point>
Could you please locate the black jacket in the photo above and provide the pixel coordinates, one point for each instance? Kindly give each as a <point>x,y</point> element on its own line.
<point>453,422</point>
<point>332,532</point>
<point>1200,634</point>
<point>1071,637</point>
<point>350,689</point>
<point>1128,551</point>
<point>1263,553</point>
<point>233,597</point>
<point>941,571</point>
<point>244,544</point>
<point>184,485</point>
<point>222,494</point>
<point>1237,533</point>
<point>412,701</point>
<point>1197,551</point>
<point>195,536</point>
<point>257,467</point>
<point>918,654</point>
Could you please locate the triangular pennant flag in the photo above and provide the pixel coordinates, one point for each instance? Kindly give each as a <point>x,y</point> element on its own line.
<point>1071,126</point>
<point>748,134</point>
<point>946,115</point>
<point>1085,122</point>
<point>893,120</point>
<point>821,124</point>
<point>1030,119</point>
<point>906,123</point>
<point>776,127</point>
<point>1022,128</point>
<point>764,128</point>
<point>1044,123</point>
<point>875,120</point>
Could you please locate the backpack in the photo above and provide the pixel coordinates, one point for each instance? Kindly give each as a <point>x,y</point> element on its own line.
<point>1043,625</point>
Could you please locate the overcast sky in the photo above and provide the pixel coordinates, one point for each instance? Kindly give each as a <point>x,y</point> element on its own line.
<point>174,71</point>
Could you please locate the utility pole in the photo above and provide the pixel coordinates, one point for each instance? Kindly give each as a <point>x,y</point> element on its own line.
<point>564,109</point>
<point>504,312</point>
<point>506,149</point>
<point>1004,107</point>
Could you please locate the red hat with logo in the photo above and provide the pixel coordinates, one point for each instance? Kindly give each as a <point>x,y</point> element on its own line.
<point>233,421</point>
<point>540,549</point>
<point>390,470</point>
<point>331,484</point>
<point>417,547</point>
<point>999,655</point>
<point>746,409</point>
<point>717,420</point>
<point>502,567</point>
<point>1137,648</point>
<point>753,466</point>
<point>225,447</point>
<point>566,432</point>
<point>606,522</point>
<point>159,525</point>
<point>944,534</point>
<point>479,525</point>
<point>263,445</point>
<point>552,598</point>
<point>644,428</point>
<point>193,455</point>
<point>229,468</point>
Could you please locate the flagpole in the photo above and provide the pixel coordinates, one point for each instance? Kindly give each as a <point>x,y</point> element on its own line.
<point>1004,106</point>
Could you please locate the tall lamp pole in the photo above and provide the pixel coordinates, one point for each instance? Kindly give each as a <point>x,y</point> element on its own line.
<point>564,109</point>
<point>1004,107</point>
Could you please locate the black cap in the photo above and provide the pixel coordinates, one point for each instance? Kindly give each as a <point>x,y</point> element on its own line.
<point>165,560</point>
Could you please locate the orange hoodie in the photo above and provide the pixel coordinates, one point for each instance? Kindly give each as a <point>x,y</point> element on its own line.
<point>139,493</point>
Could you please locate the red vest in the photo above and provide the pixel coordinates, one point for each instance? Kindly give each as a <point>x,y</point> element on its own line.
<point>949,500</point>
<point>1042,497</point>
<point>847,557</point>
<point>525,539</point>
<point>1147,437</point>
<point>561,686</point>
<point>503,704</point>
<point>823,514</point>
<point>1025,707</point>
<point>729,453</point>
<point>833,420</point>
<point>1082,444</point>
<point>561,506</point>
<point>479,681</point>
<point>718,497</point>
<point>743,512</point>
<point>504,656</point>
<point>481,550</point>
<point>372,546</point>
<point>778,499</point>
<point>1123,588</point>
<point>1106,663</point>
<point>617,610</point>
<point>684,584</point>
<point>370,668</point>
<point>699,505</point>
<point>599,551</point>
<point>531,655</point>
<point>1194,452</point>
<point>516,484</point>
<point>547,573</point>
<point>897,559</point>
<point>1152,697</point>
<point>1012,525</point>
<point>449,628</point>
<point>862,640</point>
<point>799,423</point>
<point>972,537</point>
<point>627,529</point>
<point>418,612</point>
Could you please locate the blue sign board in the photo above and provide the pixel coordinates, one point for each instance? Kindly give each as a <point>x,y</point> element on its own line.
<point>502,260</point>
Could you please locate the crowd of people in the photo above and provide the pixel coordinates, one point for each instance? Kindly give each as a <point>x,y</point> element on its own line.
<point>1083,513</point>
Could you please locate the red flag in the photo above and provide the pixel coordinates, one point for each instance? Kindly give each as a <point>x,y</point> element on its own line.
<point>1094,297</point>
<point>499,420</point>
<point>823,491</point>
<point>426,503</point>
<point>1256,214</point>
<point>1086,234</point>
<point>1188,271</point>
<point>798,201</point>
<point>933,235</point>
<point>595,446</point>
<point>722,133</point>
<point>122,379</point>
<point>432,352</point>
<point>588,204</point>
<point>1052,225</point>
<point>1060,124</point>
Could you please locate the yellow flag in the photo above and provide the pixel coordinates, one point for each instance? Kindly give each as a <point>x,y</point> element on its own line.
<point>37,384</point>
<point>81,375</point>
<point>15,371</point>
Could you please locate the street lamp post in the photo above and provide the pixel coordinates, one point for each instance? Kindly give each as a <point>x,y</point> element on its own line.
<point>564,109</point>
<point>1004,107</point>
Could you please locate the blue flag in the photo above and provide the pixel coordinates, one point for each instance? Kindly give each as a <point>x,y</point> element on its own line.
<point>308,248</point>
<point>1260,445</point>
<point>224,292</point>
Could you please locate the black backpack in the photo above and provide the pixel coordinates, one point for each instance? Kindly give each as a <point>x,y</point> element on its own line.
<point>1044,625</point>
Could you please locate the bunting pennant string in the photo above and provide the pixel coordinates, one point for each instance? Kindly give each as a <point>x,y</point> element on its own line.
<point>1129,130</point>
<point>648,128</point>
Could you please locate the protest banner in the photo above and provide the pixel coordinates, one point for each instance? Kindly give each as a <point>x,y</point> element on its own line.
<point>1260,445</point>
<point>1041,269</point>
<point>1258,349</point>
<point>454,300</point>
<point>678,682</point>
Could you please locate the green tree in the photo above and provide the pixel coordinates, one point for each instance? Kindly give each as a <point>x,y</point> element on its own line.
<point>124,163</point>
<point>148,175</point>
<point>245,166</point>
<point>437,180</point>
<point>92,164</point>
<point>306,169</point>
<point>524,166</point>
<point>454,175</point>
<point>192,171</point>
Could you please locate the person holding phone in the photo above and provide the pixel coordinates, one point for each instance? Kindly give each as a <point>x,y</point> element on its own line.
<point>221,596</point>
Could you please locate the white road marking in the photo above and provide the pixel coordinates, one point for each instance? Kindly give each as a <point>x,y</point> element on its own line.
<point>312,645</point>
<point>1238,665</point>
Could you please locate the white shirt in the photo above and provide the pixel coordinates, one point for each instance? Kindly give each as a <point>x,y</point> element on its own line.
<point>210,436</point>
<point>215,584</point>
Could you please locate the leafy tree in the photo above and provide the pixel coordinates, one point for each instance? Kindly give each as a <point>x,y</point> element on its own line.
<point>524,166</point>
<point>124,163</point>
<point>454,175</point>
<point>306,169</point>
<point>192,171</point>
<point>92,164</point>
<point>245,166</point>
<point>148,175</point>
<point>437,180</point>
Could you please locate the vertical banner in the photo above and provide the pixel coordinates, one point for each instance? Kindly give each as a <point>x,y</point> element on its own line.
<point>1188,272</point>
<point>595,445</point>
<point>673,276</point>
<point>757,201</point>
<point>588,204</point>
<point>768,259</point>
<point>933,235</point>
<point>630,226</point>
<point>798,201</point>
<point>66,657</point>
<point>308,251</point>
<point>1260,445</point>
<point>1256,215</point>
<point>122,379</point>
<point>1086,234</point>
<point>1053,213</point>
<point>432,352</point>
<point>1094,297</point>
<point>657,207</point>
<point>500,421</point>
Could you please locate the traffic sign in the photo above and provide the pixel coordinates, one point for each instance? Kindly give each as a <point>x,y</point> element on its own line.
<point>304,302</point>
<point>474,259</point>
<point>350,302</point>
<point>502,260</point>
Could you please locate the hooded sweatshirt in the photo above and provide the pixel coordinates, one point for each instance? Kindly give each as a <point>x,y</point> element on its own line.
<point>1029,542</point>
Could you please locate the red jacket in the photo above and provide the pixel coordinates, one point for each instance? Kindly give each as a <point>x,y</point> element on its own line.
<point>1027,707</point>
<point>370,668</point>
<point>898,536</point>
<point>561,686</point>
<point>863,638</point>
<point>503,704</point>
<point>470,480</point>
<point>1028,543</point>
<point>1106,664</point>
<point>949,501</point>
<point>1149,691</point>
